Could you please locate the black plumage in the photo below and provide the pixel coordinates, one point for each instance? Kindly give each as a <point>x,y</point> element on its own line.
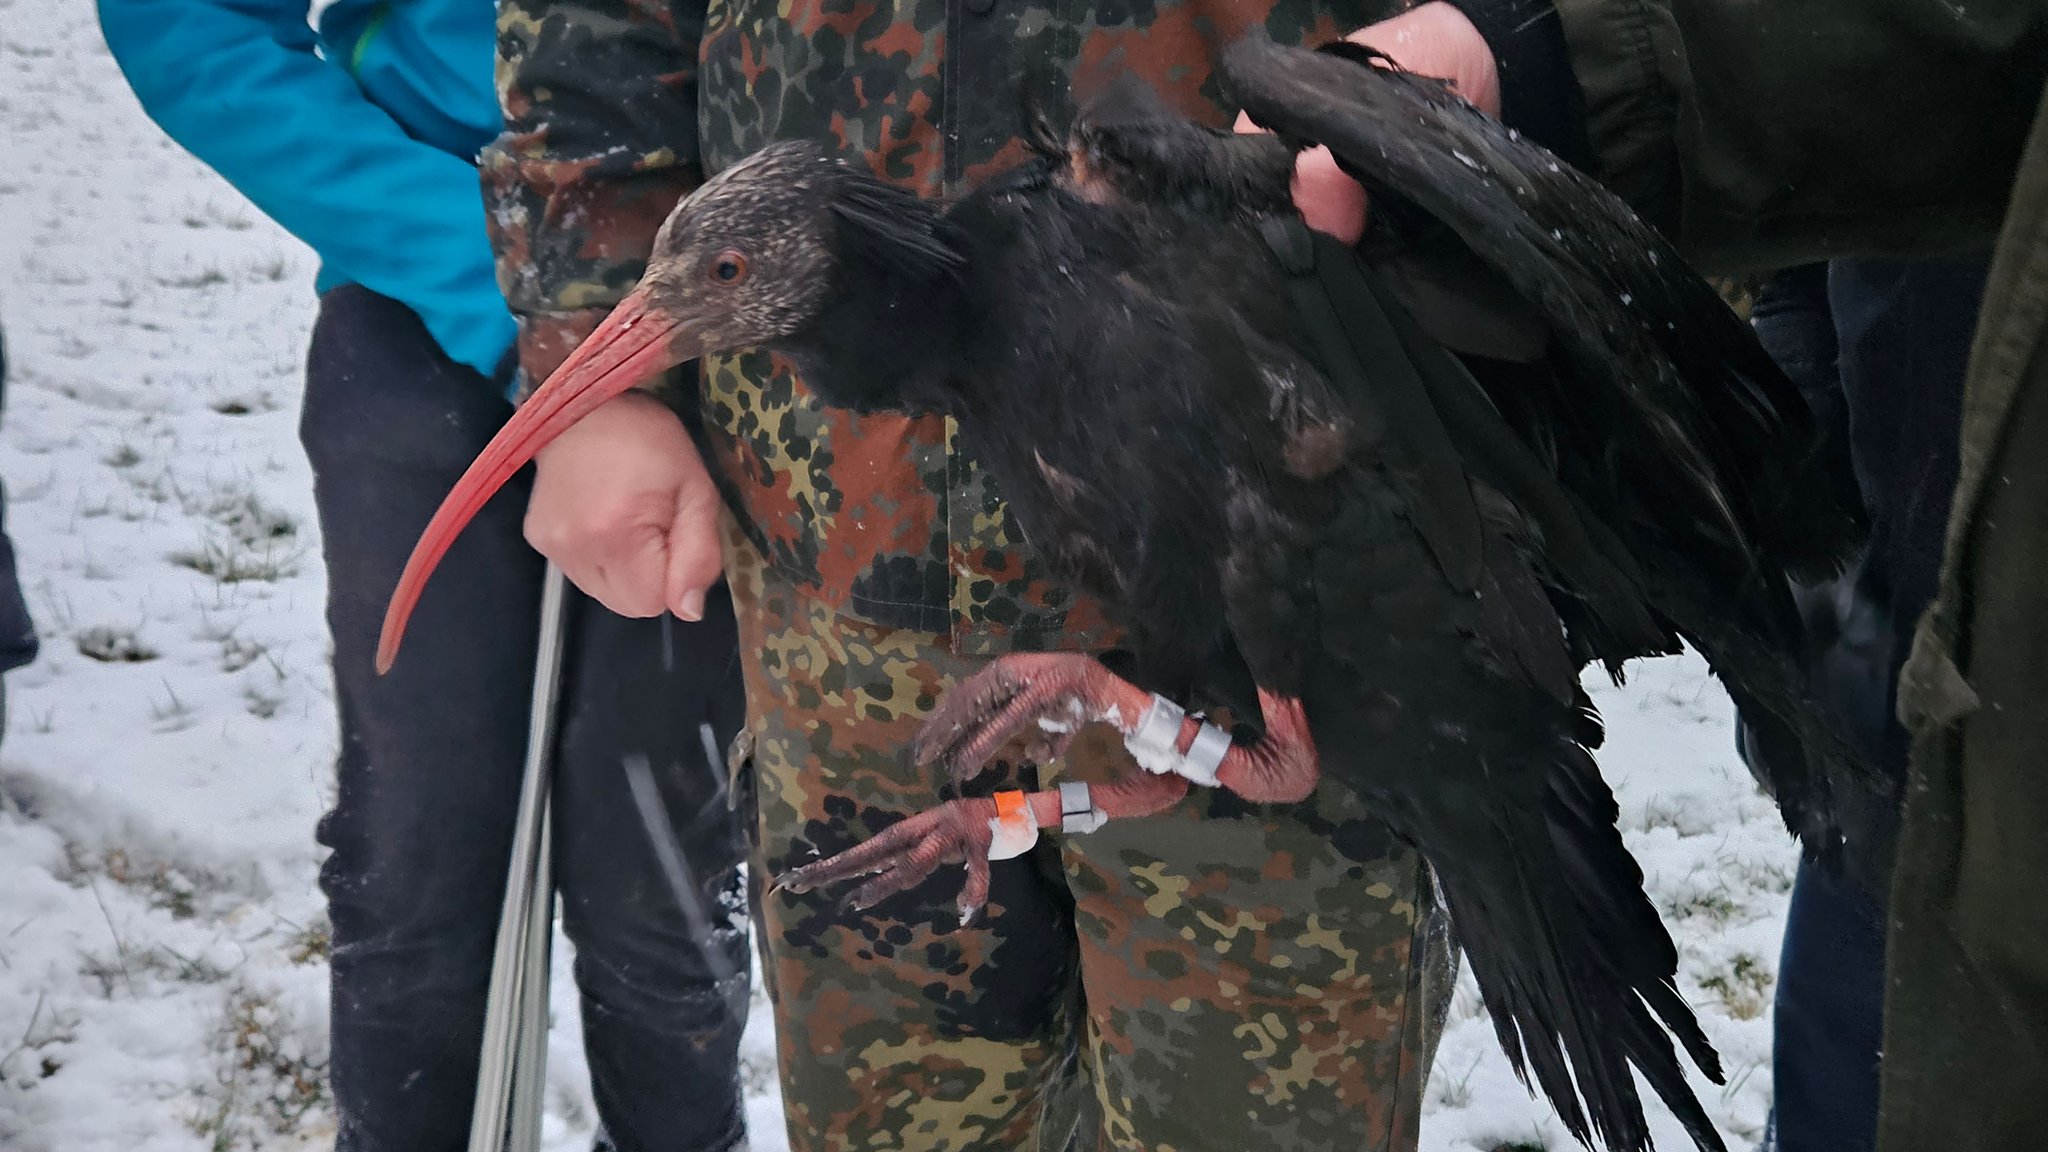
<point>1415,487</point>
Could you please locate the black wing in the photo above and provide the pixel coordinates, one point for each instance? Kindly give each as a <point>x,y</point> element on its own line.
<point>1694,405</point>
<point>1655,408</point>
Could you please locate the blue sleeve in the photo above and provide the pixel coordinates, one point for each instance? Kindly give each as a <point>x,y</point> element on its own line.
<point>237,83</point>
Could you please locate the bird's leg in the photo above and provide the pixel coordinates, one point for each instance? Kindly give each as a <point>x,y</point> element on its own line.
<point>1282,767</point>
<point>1057,692</point>
<point>977,830</point>
<point>1051,695</point>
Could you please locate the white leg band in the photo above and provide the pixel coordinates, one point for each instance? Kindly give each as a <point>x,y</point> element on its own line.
<point>1078,813</point>
<point>1151,744</point>
<point>1205,755</point>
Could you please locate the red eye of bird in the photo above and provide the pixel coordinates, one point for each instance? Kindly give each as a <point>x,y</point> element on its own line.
<point>729,268</point>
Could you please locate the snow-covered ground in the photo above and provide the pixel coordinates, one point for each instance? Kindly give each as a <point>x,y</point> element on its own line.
<point>162,942</point>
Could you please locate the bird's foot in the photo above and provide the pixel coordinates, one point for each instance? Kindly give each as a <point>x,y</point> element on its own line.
<point>1052,694</point>
<point>977,831</point>
<point>1049,695</point>
<point>903,855</point>
<point>1282,768</point>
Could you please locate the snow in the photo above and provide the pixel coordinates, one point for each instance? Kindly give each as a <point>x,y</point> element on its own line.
<point>162,982</point>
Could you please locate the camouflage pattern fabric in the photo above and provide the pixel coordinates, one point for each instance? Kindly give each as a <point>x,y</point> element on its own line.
<point>613,109</point>
<point>1219,977</point>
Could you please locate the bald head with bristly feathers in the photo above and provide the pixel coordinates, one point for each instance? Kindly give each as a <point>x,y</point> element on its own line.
<point>765,249</point>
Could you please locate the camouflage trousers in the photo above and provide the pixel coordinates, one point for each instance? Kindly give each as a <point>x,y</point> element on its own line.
<point>1221,976</point>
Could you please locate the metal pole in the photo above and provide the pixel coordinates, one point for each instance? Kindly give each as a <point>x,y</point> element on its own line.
<point>530,1062</point>
<point>510,1074</point>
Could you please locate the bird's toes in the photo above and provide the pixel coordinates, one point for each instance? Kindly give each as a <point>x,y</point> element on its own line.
<point>964,712</point>
<point>899,858</point>
<point>900,876</point>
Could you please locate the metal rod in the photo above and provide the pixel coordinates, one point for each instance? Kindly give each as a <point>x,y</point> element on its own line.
<point>530,1063</point>
<point>508,1096</point>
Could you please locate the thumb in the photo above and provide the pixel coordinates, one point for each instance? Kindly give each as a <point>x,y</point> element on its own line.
<point>694,556</point>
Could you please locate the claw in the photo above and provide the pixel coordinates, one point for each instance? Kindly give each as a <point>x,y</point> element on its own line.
<point>1014,694</point>
<point>906,854</point>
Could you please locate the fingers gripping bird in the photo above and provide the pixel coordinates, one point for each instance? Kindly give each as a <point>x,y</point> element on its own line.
<point>1379,506</point>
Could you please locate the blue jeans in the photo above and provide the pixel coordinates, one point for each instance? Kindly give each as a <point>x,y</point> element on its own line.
<point>1879,347</point>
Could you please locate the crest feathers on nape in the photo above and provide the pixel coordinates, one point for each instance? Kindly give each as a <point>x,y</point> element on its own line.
<point>895,229</point>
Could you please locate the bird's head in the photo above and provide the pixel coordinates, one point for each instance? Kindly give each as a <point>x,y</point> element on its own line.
<point>746,261</point>
<point>760,256</point>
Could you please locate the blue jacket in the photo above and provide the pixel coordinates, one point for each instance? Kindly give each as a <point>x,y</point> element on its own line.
<point>359,138</point>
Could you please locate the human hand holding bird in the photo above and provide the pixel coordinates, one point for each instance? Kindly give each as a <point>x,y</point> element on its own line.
<point>624,504</point>
<point>1432,39</point>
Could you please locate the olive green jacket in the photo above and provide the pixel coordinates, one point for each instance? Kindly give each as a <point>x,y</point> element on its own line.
<point>1764,133</point>
<point>1966,1010</point>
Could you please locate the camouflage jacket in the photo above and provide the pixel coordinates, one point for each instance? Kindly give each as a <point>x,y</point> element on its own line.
<point>614,109</point>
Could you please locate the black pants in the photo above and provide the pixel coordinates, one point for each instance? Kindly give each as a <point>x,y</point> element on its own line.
<point>1880,347</point>
<point>18,641</point>
<point>429,777</point>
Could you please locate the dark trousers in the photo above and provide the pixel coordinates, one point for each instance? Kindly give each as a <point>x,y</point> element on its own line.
<point>1880,347</point>
<point>421,829</point>
<point>18,641</point>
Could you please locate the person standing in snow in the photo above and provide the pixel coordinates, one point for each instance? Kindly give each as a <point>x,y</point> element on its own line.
<point>1881,344</point>
<point>1896,151</point>
<point>18,641</point>
<point>358,134</point>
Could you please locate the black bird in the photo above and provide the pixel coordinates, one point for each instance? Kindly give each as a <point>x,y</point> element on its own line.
<point>1380,506</point>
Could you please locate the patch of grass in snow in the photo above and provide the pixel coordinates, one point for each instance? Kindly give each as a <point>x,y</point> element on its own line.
<point>206,277</point>
<point>1682,816</point>
<point>237,654</point>
<point>171,713</point>
<point>1772,876</point>
<point>1718,905</point>
<point>1743,989</point>
<point>256,541</point>
<point>234,562</point>
<point>118,971</point>
<point>164,886</point>
<point>265,1083</point>
<point>212,215</point>
<point>312,944</point>
<point>243,514</point>
<point>262,705</point>
<point>28,1060</point>
<point>1456,1092</point>
<point>160,884</point>
<point>111,645</point>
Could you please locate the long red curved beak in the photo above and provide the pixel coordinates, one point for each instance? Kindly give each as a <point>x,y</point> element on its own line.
<point>633,344</point>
